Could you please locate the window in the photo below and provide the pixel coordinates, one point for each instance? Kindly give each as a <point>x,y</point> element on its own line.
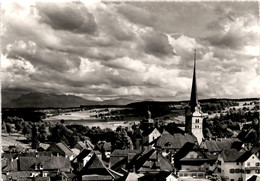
<point>231,170</point>
<point>237,163</point>
<point>219,162</point>
<point>257,171</point>
<point>219,170</point>
<point>232,180</point>
<point>185,174</point>
<point>200,175</point>
<point>197,121</point>
<point>237,170</point>
<point>257,164</point>
<point>248,163</point>
<point>248,171</point>
<point>194,175</point>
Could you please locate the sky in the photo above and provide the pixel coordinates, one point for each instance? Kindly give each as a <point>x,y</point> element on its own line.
<point>134,50</point>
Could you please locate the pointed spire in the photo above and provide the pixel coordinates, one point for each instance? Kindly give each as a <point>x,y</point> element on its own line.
<point>193,97</point>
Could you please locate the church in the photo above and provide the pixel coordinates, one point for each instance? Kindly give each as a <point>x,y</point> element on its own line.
<point>193,113</point>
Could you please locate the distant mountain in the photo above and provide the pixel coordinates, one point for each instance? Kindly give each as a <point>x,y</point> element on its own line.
<point>43,100</point>
<point>119,101</point>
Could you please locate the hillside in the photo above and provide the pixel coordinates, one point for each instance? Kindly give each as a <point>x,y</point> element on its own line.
<point>42,100</point>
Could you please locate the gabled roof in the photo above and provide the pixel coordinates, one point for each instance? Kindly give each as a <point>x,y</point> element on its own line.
<point>27,163</point>
<point>89,144</point>
<point>155,162</point>
<point>119,158</point>
<point>80,144</point>
<point>158,176</point>
<point>65,148</point>
<point>95,166</point>
<point>219,144</point>
<point>44,146</point>
<point>175,141</point>
<point>244,157</point>
<point>188,147</point>
<point>122,153</point>
<point>231,155</point>
<point>148,132</point>
<point>82,155</point>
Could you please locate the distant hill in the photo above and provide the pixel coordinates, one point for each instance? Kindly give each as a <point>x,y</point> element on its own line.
<point>43,100</point>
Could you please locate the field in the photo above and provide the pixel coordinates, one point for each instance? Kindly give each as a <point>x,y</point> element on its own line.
<point>13,139</point>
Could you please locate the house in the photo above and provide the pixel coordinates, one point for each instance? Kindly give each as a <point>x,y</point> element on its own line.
<point>170,144</point>
<point>105,148</point>
<point>150,161</point>
<point>42,168</point>
<point>95,169</point>
<point>81,159</point>
<point>250,165</point>
<point>238,165</point>
<point>151,135</point>
<point>80,145</point>
<point>132,176</point>
<point>191,161</point>
<point>215,146</point>
<point>43,147</point>
<point>119,159</point>
<point>161,176</point>
<point>61,149</point>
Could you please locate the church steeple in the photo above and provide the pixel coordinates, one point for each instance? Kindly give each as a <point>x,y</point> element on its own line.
<point>193,97</point>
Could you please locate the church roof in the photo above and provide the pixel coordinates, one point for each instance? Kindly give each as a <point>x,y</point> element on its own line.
<point>175,141</point>
<point>193,97</point>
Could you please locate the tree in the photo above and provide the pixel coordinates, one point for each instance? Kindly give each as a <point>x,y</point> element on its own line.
<point>26,129</point>
<point>121,140</point>
<point>9,128</point>
<point>35,141</point>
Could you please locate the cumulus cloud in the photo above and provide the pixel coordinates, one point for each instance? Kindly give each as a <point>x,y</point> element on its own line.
<point>67,16</point>
<point>109,50</point>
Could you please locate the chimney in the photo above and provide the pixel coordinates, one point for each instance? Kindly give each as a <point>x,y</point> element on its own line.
<point>134,171</point>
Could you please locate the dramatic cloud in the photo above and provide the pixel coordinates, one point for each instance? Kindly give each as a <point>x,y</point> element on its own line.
<point>137,50</point>
<point>67,16</point>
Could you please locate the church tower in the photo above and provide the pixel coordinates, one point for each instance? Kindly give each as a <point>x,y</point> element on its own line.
<point>193,114</point>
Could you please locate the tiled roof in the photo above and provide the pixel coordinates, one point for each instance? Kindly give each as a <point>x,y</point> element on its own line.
<point>219,144</point>
<point>119,158</point>
<point>81,144</point>
<point>96,166</point>
<point>244,156</point>
<point>89,144</point>
<point>65,148</point>
<point>187,147</point>
<point>231,155</point>
<point>155,163</point>
<point>175,141</point>
<point>121,153</point>
<point>44,146</point>
<point>48,162</point>
<point>82,155</point>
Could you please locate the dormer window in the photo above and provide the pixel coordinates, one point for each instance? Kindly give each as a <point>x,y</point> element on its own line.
<point>35,167</point>
<point>40,167</point>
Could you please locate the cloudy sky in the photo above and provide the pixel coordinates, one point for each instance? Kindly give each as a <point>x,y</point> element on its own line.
<point>137,50</point>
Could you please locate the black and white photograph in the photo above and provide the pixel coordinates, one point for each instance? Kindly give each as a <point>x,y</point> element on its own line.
<point>119,90</point>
